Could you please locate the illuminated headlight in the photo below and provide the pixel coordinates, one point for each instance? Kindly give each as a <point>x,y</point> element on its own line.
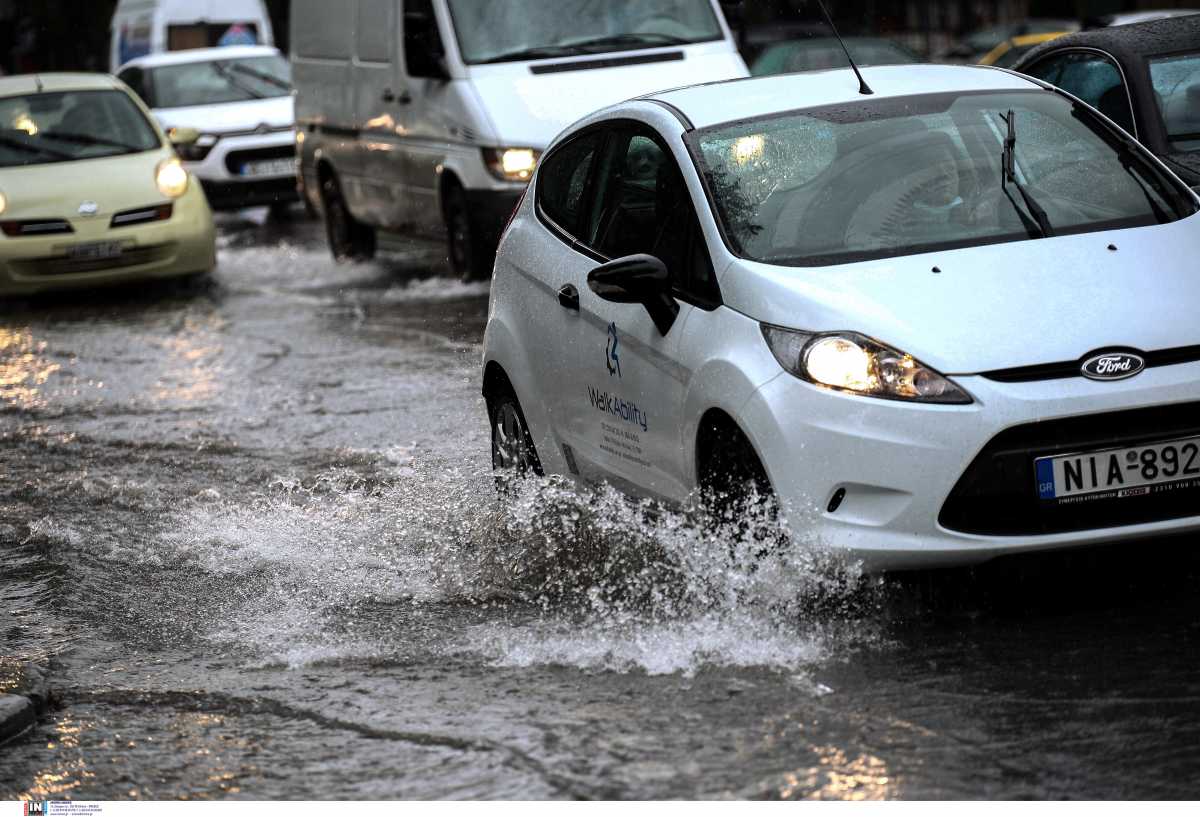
<point>171,178</point>
<point>3,203</point>
<point>511,164</point>
<point>850,362</point>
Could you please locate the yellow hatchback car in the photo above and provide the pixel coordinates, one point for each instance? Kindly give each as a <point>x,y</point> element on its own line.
<point>91,191</point>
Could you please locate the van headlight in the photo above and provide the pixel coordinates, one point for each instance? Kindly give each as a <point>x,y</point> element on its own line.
<point>3,203</point>
<point>511,164</point>
<point>853,363</point>
<point>171,178</point>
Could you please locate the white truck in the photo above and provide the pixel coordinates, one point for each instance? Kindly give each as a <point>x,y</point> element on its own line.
<point>429,116</point>
<point>144,27</point>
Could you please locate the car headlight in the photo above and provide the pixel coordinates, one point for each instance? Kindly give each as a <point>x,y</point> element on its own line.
<point>853,363</point>
<point>171,178</point>
<point>3,203</point>
<point>511,164</point>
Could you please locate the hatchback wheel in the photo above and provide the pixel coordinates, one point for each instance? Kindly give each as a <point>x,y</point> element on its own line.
<point>734,487</point>
<point>349,239</point>
<point>513,452</point>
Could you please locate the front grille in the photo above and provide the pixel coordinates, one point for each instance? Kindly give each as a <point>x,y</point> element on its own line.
<point>235,160</point>
<point>997,496</point>
<point>144,215</point>
<point>1073,368</point>
<point>36,227</point>
<point>62,265</point>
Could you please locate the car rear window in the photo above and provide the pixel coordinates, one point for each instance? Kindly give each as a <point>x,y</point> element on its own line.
<point>901,176</point>
<point>1176,83</point>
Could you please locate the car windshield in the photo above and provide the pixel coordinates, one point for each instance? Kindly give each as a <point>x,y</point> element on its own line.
<point>1176,83</point>
<point>219,81</point>
<point>916,174</point>
<point>46,128</point>
<point>815,55</point>
<point>509,30</point>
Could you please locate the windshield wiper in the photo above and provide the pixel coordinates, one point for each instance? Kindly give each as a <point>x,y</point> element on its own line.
<point>1040,225</point>
<point>17,144</point>
<point>86,139</point>
<point>1126,160</point>
<point>260,75</point>
<point>646,39</point>
<point>541,52</point>
<point>223,70</point>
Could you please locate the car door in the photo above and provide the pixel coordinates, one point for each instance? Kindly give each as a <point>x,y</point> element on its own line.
<point>623,383</point>
<point>379,114</point>
<point>1093,76</point>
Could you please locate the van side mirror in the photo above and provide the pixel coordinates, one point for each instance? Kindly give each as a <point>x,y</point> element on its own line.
<point>638,279</point>
<point>424,55</point>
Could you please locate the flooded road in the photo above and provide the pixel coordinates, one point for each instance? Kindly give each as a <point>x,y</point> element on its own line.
<point>249,530</point>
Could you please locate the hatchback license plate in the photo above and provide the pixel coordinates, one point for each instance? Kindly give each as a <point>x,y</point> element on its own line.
<point>1120,472</point>
<point>95,251</point>
<point>274,167</point>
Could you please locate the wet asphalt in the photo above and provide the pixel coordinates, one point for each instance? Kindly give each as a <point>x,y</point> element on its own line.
<point>248,529</point>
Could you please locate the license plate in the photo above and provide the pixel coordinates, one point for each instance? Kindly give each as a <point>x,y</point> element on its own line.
<point>96,251</point>
<point>1121,472</point>
<point>274,167</point>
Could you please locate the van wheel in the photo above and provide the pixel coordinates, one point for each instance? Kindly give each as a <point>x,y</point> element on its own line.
<point>470,257</point>
<point>514,456</point>
<point>349,238</point>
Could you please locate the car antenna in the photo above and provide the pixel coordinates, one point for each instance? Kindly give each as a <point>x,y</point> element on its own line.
<point>37,81</point>
<point>863,87</point>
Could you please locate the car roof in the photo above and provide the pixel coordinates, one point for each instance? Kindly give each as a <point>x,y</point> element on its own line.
<point>1129,42</point>
<point>225,52</point>
<point>736,100</point>
<point>36,83</point>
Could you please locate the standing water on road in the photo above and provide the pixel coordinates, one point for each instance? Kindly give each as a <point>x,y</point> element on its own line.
<point>249,529</point>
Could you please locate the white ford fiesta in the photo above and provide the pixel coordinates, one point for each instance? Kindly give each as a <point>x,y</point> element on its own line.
<point>949,320</point>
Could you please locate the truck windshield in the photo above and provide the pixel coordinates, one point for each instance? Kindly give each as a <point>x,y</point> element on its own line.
<point>215,82</point>
<point>512,30</point>
<point>39,129</point>
<point>918,174</point>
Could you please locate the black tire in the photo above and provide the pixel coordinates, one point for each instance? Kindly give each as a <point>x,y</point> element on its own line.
<point>734,487</point>
<point>471,257</point>
<point>514,456</point>
<point>349,239</point>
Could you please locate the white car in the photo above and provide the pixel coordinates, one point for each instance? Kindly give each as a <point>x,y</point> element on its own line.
<point>947,321</point>
<point>239,98</point>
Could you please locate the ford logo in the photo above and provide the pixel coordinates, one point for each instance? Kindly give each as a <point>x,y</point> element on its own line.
<point>1113,366</point>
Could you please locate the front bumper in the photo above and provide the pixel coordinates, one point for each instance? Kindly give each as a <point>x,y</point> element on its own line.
<point>898,464</point>
<point>184,244</point>
<point>222,171</point>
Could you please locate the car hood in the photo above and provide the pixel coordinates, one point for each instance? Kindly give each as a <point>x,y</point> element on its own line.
<point>232,117</point>
<point>996,307</point>
<point>529,110</point>
<point>115,183</point>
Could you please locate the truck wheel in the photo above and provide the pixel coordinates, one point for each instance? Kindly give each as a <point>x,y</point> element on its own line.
<point>471,258</point>
<point>349,238</point>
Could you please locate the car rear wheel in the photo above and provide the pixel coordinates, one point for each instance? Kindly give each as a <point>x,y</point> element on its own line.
<point>349,238</point>
<point>514,456</point>
<point>471,258</point>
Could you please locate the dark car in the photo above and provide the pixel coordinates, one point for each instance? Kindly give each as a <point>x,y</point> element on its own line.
<point>1144,77</point>
<point>975,45</point>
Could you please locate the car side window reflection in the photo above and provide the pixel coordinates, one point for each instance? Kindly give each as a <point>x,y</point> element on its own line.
<point>563,182</point>
<point>1092,77</point>
<point>642,205</point>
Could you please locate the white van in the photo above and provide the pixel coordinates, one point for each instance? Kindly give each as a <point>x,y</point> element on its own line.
<point>142,27</point>
<point>429,116</point>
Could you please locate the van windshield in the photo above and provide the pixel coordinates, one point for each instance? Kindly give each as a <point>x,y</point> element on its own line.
<point>46,128</point>
<point>513,30</point>
<point>215,82</point>
<point>918,174</point>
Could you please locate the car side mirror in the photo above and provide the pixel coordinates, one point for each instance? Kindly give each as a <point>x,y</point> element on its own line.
<point>638,279</point>
<point>183,137</point>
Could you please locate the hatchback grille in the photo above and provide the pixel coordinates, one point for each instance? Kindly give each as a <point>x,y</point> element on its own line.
<point>144,215</point>
<point>997,496</point>
<point>37,227</point>
<point>61,265</point>
<point>1074,368</point>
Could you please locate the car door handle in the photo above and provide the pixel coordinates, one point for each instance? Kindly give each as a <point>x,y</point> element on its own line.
<point>568,296</point>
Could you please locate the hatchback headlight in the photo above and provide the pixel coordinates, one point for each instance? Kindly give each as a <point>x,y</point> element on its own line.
<point>511,164</point>
<point>171,178</point>
<point>853,363</point>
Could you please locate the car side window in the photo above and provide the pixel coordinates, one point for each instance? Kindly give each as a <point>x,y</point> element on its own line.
<point>642,205</point>
<point>133,77</point>
<point>1094,78</point>
<point>563,182</point>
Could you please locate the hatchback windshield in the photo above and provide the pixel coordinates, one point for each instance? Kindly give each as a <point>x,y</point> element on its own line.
<point>916,174</point>
<point>508,30</point>
<point>1177,86</point>
<point>220,81</point>
<point>63,127</point>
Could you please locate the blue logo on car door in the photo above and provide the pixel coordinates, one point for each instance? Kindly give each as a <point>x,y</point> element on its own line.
<point>611,358</point>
